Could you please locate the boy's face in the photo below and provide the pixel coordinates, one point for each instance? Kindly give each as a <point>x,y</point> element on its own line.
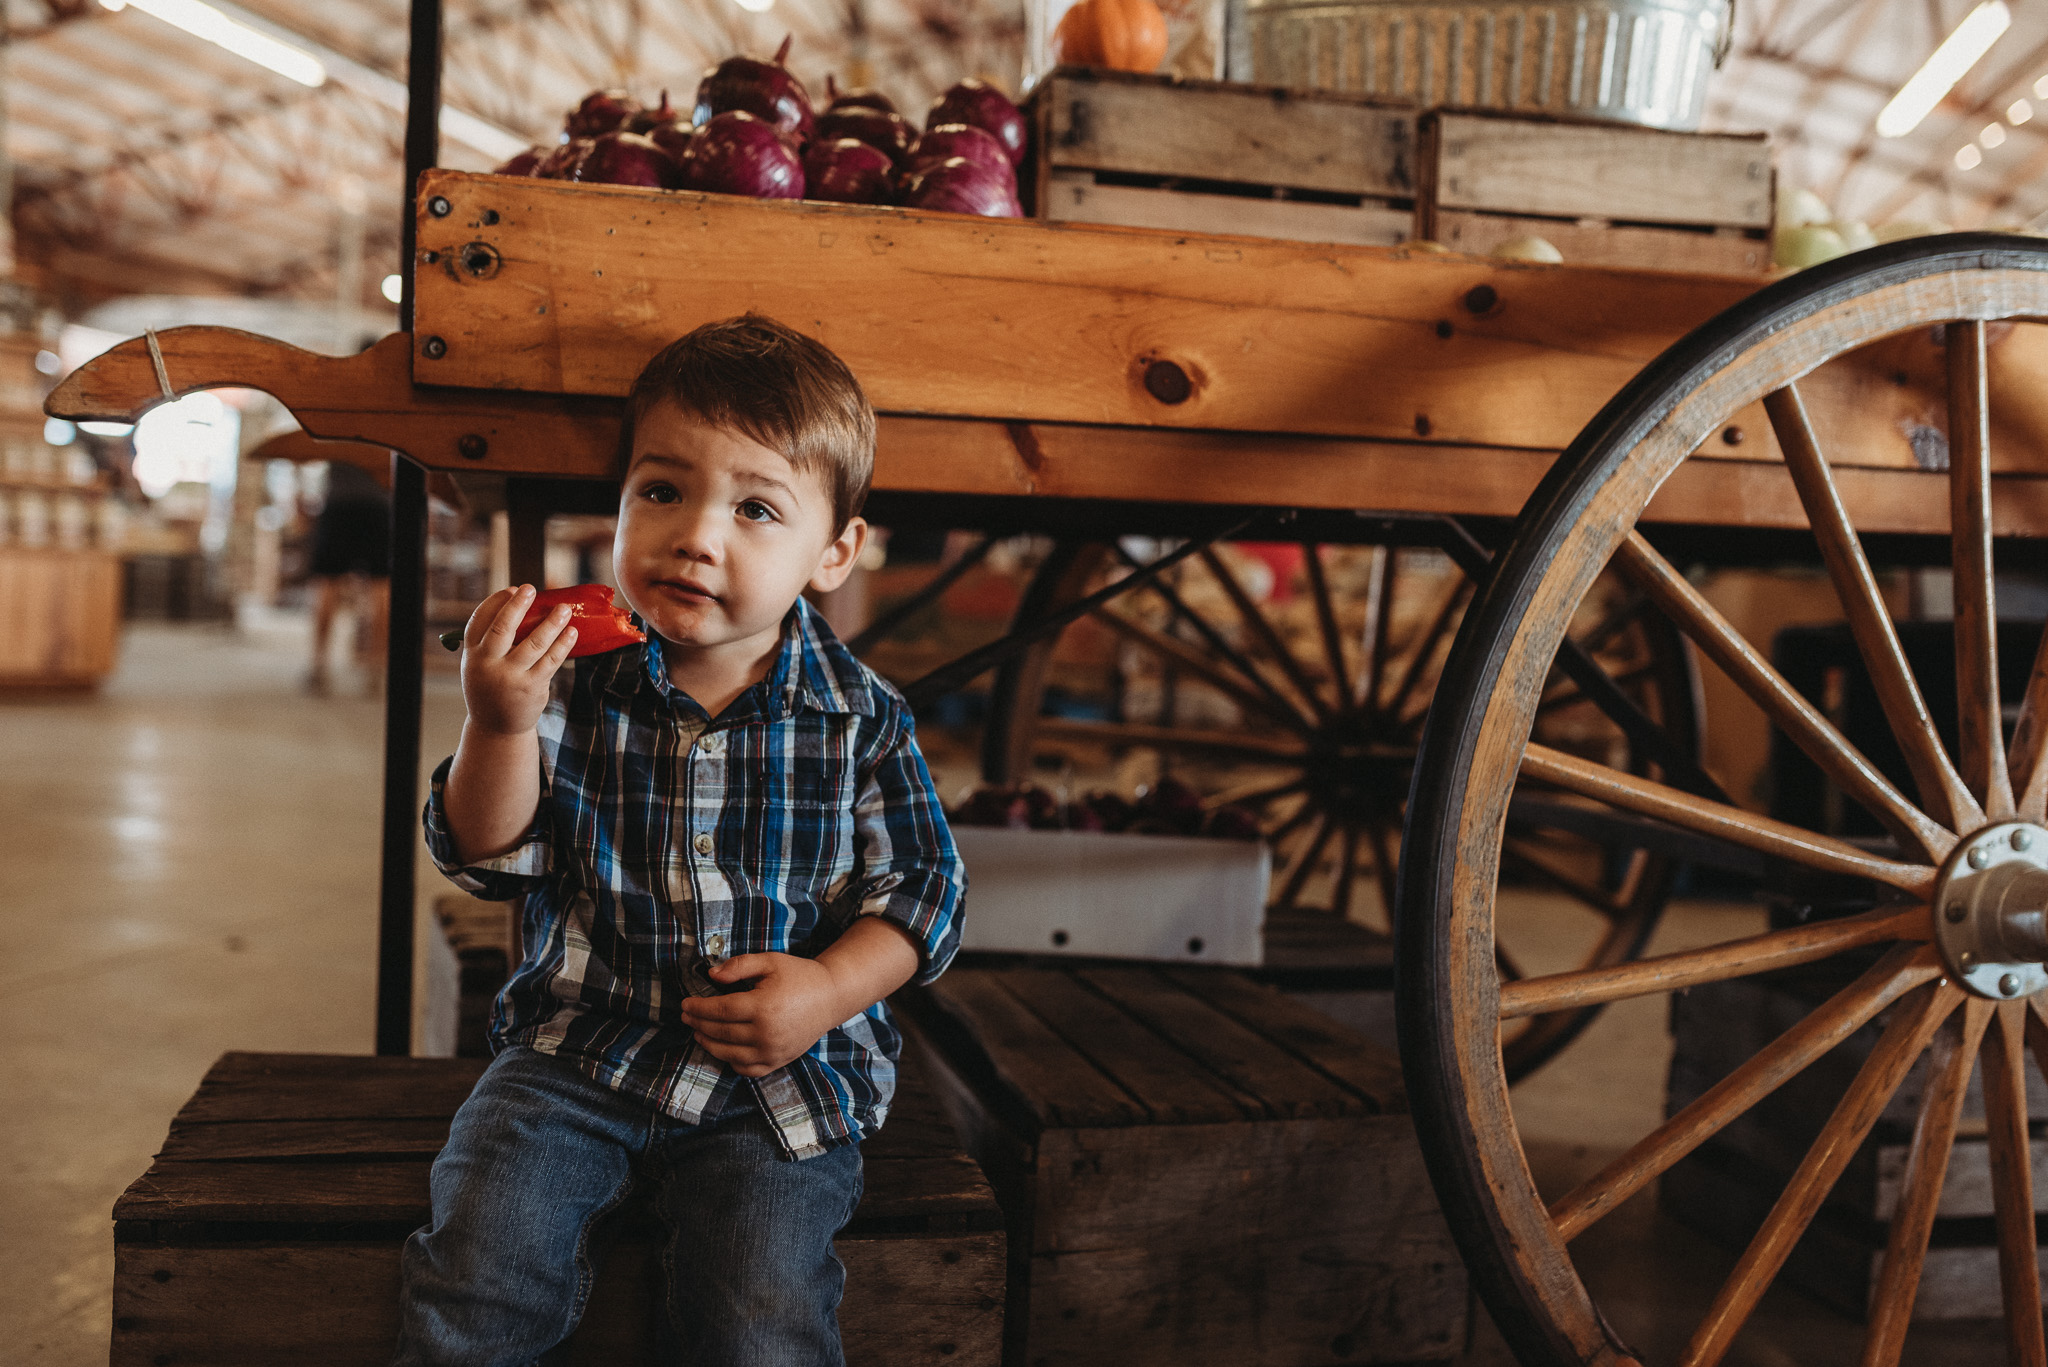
<point>718,535</point>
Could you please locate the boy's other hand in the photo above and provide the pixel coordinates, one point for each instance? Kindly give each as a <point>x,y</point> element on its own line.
<point>505,681</point>
<point>793,1003</point>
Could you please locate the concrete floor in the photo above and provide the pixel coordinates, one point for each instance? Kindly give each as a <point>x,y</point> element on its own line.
<point>192,868</point>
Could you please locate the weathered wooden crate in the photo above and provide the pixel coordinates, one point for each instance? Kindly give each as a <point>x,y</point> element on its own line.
<point>1728,1186</point>
<point>1603,194</point>
<point>1210,157</point>
<point>1196,1169</point>
<point>466,965</point>
<point>268,1229</point>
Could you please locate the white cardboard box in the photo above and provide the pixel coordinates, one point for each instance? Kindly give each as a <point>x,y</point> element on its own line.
<point>1159,897</point>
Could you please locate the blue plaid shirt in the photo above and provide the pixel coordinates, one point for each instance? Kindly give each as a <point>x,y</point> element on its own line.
<point>667,840</point>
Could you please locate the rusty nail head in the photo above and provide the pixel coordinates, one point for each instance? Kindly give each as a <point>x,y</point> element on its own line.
<point>490,217</point>
<point>1732,435</point>
<point>433,348</point>
<point>1167,382</point>
<point>472,446</point>
<point>439,206</point>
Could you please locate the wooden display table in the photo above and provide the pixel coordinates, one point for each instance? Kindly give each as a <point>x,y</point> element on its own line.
<point>268,1229</point>
<point>60,616</point>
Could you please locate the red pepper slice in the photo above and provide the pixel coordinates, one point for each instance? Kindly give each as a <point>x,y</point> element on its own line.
<point>600,624</point>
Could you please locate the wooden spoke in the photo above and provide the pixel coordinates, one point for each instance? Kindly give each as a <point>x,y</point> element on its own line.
<point>1384,867</point>
<point>1326,618</point>
<point>1347,873</point>
<point>1306,810</point>
<point>1720,820</point>
<point>2028,761</point>
<point>1568,693</point>
<point>1165,591</point>
<point>1195,662</point>
<point>1256,793</point>
<point>1599,899</point>
<point>1942,790</point>
<point>1735,959</point>
<point>1801,722</point>
<point>1379,608</point>
<point>1426,650</point>
<point>1902,969</point>
<point>1299,874</point>
<point>1980,733</point>
<point>1611,625</point>
<point>1243,744</point>
<point>1905,1036</point>
<point>1263,630</point>
<point>2012,1183</point>
<point>1934,1137</point>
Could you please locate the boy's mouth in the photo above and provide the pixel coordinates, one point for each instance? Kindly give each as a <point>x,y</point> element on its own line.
<point>687,591</point>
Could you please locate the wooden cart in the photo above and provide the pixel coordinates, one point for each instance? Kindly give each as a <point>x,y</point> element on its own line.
<point>1091,380</point>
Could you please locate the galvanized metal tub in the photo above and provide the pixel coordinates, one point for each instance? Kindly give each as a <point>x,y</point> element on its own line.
<point>1635,61</point>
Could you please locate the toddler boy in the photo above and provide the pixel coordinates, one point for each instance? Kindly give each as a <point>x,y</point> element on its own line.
<point>730,853</point>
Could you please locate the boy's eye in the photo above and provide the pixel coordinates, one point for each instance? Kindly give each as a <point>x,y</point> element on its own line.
<point>659,493</point>
<point>754,510</point>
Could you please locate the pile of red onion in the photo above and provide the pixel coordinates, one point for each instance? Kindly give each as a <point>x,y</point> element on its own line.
<point>752,131</point>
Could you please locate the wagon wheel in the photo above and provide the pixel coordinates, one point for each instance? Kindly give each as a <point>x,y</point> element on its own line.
<point>1306,706</point>
<point>1971,840</point>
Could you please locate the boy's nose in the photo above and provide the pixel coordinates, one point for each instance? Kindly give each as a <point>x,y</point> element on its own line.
<point>698,535</point>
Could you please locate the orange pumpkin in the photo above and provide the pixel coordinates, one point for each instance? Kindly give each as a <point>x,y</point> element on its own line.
<point>1123,35</point>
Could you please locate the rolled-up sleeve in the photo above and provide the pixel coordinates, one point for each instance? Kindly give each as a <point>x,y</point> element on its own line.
<point>519,870</point>
<point>911,873</point>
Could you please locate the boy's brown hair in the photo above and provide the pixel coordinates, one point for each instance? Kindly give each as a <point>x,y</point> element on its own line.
<point>776,386</point>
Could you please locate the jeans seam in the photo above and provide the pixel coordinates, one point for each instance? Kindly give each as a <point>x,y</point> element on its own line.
<point>586,1275</point>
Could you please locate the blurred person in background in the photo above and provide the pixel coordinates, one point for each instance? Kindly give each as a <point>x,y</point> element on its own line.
<point>351,562</point>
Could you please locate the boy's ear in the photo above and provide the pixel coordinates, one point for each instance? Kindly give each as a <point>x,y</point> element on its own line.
<point>841,556</point>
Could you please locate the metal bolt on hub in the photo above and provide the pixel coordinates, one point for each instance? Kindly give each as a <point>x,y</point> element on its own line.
<point>1993,927</point>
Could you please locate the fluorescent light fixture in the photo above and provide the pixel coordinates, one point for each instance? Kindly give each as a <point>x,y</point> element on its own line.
<point>1916,99</point>
<point>202,20</point>
<point>394,288</point>
<point>107,429</point>
<point>2018,112</point>
<point>1992,136</point>
<point>1968,157</point>
<point>755,6</point>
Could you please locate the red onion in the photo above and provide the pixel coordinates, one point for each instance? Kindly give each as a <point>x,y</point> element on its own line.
<point>647,120</point>
<point>739,154</point>
<point>602,111</point>
<point>978,103</point>
<point>561,163</point>
<point>892,133</point>
<point>766,90</point>
<point>674,138</point>
<point>524,163</point>
<point>960,140</point>
<point>629,159</point>
<point>848,171</point>
<point>860,97</point>
<point>960,186</point>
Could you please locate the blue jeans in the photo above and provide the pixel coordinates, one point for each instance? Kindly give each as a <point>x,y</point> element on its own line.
<point>539,1153</point>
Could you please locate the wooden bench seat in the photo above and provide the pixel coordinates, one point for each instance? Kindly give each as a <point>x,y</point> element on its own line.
<point>268,1229</point>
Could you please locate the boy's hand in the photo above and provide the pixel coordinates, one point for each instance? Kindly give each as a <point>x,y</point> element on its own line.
<point>505,683</point>
<point>793,1003</point>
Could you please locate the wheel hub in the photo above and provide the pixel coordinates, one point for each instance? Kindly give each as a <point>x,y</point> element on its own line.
<point>1991,911</point>
<point>1355,774</point>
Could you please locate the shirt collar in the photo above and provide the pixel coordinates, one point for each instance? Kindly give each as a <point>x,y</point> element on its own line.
<point>812,669</point>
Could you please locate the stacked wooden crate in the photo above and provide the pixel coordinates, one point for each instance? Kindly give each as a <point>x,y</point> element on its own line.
<point>1729,1184</point>
<point>1603,194</point>
<point>1210,157</point>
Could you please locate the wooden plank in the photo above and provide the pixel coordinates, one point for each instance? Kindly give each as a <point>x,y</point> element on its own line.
<point>907,1300</point>
<point>1719,252</point>
<point>1280,1242</point>
<point>1357,1063</point>
<point>251,1086</point>
<point>1576,170</point>
<point>294,1192</point>
<point>60,615</point>
<point>1230,1053</point>
<point>1209,130</point>
<point>574,286</point>
<point>272,1140</point>
<point>1078,197</point>
<point>1169,1084</point>
<point>1048,1078</point>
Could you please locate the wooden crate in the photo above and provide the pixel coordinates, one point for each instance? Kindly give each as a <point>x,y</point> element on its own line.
<point>1603,194</point>
<point>268,1229</point>
<point>1210,157</point>
<point>60,616</point>
<point>1728,1186</point>
<point>1196,1169</point>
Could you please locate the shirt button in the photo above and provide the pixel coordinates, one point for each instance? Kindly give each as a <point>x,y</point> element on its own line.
<point>716,944</point>
<point>711,744</point>
<point>703,842</point>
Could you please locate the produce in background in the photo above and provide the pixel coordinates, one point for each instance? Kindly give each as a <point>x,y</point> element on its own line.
<point>566,160</point>
<point>848,171</point>
<point>767,90</point>
<point>959,186</point>
<point>737,153</point>
<point>629,159</point>
<point>1123,35</point>
<point>601,112</point>
<point>1528,249</point>
<point>1168,807</point>
<point>647,120</point>
<point>890,133</point>
<point>860,97</point>
<point>980,105</point>
<point>959,140</point>
<point>524,163</point>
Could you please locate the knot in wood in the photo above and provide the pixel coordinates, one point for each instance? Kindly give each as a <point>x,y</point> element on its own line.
<point>1168,383</point>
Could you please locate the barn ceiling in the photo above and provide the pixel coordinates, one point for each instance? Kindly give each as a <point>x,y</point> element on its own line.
<point>149,161</point>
